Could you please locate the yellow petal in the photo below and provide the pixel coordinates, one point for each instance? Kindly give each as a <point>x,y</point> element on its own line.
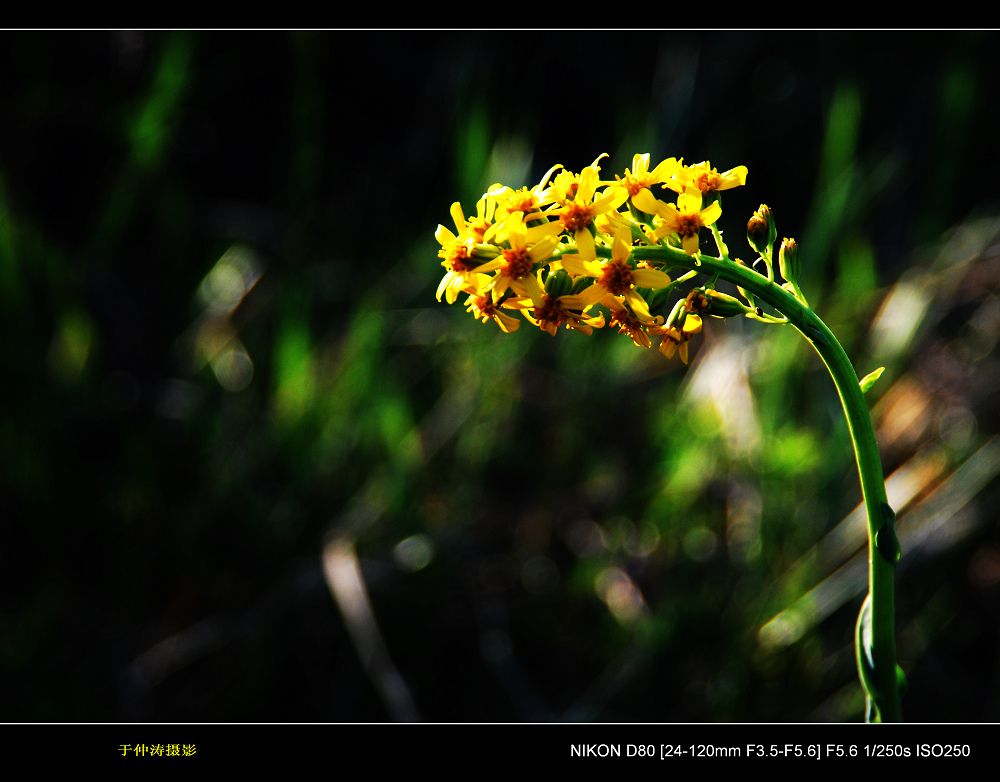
<point>650,278</point>
<point>443,285</point>
<point>621,248</point>
<point>711,213</point>
<point>543,249</point>
<point>690,244</point>
<point>596,321</point>
<point>585,244</point>
<point>538,232</point>
<point>610,200</point>
<point>667,168</point>
<point>638,305</point>
<point>598,160</point>
<point>588,184</point>
<point>576,302</point>
<point>692,323</point>
<point>459,217</point>
<point>548,174</point>
<point>734,177</point>
<point>506,323</point>
<point>689,202</point>
<point>500,285</point>
<point>443,235</point>
<point>645,201</point>
<point>578,267</point>
<point>533,288</point>
<point>590,295</point>
<point>490,266</point>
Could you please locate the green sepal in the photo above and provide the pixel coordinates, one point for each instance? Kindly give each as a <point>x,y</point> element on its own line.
<point>789,263</point>
<point>638,235</point>
<point>486,252</point>
<point>711,197</point>
<point>677,316</point>
<point>638,216</point>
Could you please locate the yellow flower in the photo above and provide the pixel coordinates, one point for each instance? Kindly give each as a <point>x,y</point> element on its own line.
<point>639,177</point>
<point>481,227</point>
<point>627,323</point>
<point>516,264</point>
<point>555,311</point>
<point>566,184</point>
<point>454,283</point>
<point>615,277</point>
<point>577,215</point>
<point>459,251</point>
<point>707,179</point>
<point>675,340</point>
<point>686,219</point>
<point>483,308</point>
<point>611,221</point>
<point>524,200</point>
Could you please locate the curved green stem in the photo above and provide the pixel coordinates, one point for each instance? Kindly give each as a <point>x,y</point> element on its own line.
<point>876,644</point>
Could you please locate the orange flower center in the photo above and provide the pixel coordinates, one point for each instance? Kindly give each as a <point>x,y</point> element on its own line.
<point>522,200</point>
<point>457,256</point>
<point>632,183</point>
<point>617,277</point>
<point>483,306</point>
<point>696,302</point>
<point>576,217</point>
<point>708,181</point>
<point>625,322</point>
<point>519,262</point>
<point>688,225</point>
<point>551,311</point>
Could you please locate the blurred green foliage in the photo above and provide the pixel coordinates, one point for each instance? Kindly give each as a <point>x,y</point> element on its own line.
<point>222,350</point>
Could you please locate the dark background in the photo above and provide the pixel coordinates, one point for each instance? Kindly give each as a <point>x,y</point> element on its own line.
<point>221,349</point>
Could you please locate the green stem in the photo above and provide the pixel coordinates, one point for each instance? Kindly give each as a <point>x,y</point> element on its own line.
<point>876,644</point>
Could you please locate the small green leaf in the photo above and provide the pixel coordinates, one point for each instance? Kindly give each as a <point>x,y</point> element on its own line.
<point>863,649</point>
<point>886,541</point>
<point>869,380</point>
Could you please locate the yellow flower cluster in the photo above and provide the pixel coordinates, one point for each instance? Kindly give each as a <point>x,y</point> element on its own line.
<point>557,251</point>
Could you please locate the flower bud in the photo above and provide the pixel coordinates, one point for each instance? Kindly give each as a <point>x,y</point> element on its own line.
<point>697,301</point>
<point>788,260</point>
<point>558,283</point>
<point>722,305</point>
<point>761,231</point>
<point>711,302</point>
